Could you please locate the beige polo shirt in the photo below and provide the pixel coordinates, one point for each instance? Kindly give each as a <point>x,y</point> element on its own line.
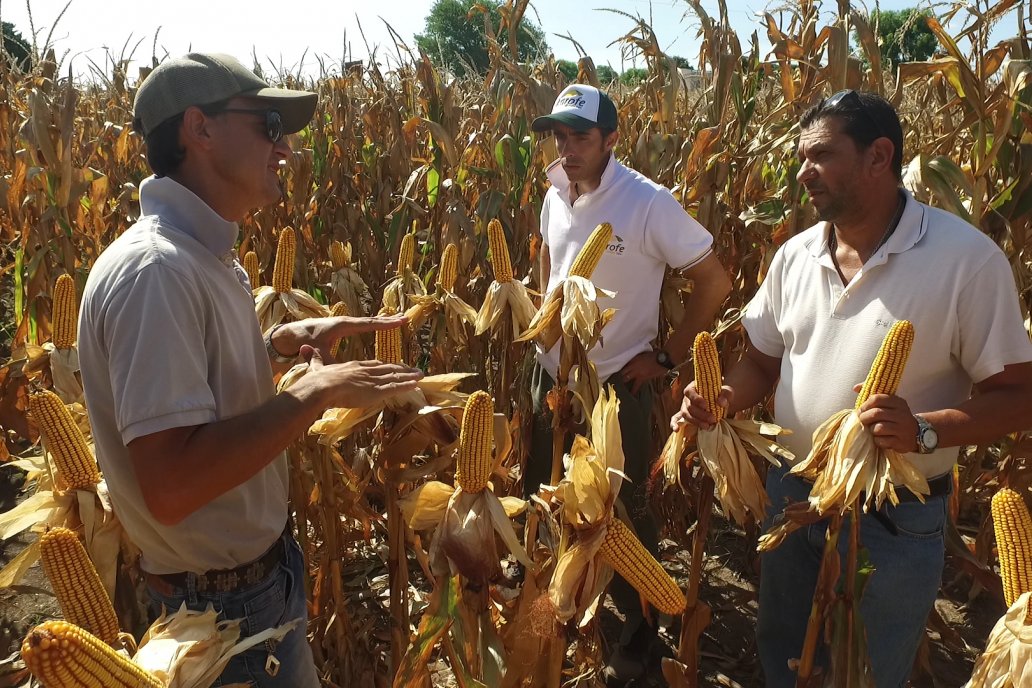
<point>950,280</point>
<point>168,338</point>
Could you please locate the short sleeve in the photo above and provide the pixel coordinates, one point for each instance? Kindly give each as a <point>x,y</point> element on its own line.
<point>154,337</point>
<point>991,331</point>
<point>672,235</point>
<point>544,219</point>
<point>761,316</point>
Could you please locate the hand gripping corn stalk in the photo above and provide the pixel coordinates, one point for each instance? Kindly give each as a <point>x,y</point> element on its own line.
<point>1007,660</point>
<point>467,521</point>
<point>448,331</point>
<point>274,303</point>
<point>724,457</point>
<point>570,315</point>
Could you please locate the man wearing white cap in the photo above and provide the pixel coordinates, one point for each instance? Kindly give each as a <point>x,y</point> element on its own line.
<point>651,232</point>
<point>190,432</point>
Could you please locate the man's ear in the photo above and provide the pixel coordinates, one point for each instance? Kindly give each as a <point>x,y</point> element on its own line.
<point>195,131</point>
<point>881,152</point>
<point>610,140</point>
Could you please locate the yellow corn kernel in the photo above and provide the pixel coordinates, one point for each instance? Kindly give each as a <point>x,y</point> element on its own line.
<point>388,347</point>
<point>888,365</point>
<point>476,438</point>
<point>62,655</point>
<point>283,268</point>
<point>75,582</point>
<point>500,261</point>
<point>340,256</point>
<point>407,253</point>
<point>591,253</point>
<point>65,313</point>
<point>708,379</point>
<point>253,270</point>
<point>1013,526</point>
<point>339,309</point>
<point>74,464</point>
<point>622,550</point>
<point>449,270</point>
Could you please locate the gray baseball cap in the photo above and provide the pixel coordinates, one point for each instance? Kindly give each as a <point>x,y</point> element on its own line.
<point>205,78</point>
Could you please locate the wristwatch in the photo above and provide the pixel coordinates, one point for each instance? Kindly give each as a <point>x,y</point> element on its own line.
<point>663,359</point>
<point>275,355</point>
<point>927,437</point>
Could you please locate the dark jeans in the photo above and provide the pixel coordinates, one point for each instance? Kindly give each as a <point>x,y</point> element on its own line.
<point>635,418</point>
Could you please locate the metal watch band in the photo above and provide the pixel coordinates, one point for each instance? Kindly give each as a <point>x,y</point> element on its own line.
<point>275,355</point>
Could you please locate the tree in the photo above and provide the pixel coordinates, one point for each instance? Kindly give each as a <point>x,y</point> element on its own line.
<point>454,36</point>
<point>633,76</point>
<point>904,35</point>
<point>568,68</point>
<point>606,74</point>
<point>15,46</point>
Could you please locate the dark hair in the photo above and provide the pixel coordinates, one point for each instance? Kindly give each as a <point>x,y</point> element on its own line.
<point>865,117</point>
<point>164,153</point>
<point>606,131</point>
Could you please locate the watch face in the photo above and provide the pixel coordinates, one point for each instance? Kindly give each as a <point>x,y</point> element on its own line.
<point>930,438</point>
<point>663,359</point>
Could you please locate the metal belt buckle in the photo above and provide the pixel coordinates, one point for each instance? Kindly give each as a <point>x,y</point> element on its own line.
<point>272,665</point>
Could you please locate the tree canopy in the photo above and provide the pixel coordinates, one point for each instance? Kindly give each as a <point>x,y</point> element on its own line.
<point>454,36</point>
<point>15,45</point>
<point>904,35</point>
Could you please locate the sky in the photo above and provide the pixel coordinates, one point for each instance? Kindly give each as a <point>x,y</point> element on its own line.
<point>289,36</point>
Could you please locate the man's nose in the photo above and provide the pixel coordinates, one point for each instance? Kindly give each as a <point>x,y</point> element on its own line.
<point>805,172</point>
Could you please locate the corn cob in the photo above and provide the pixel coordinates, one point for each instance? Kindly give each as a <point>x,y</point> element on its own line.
<point>629,558</point>
<point>708,378</point>
<point>591,253</point>
<point>888,365</point>
<point>65,312</point>
<point>339,309</point>
<point>82,597</point>
<point>500,260</point>
<point>252,269</point>
<point>475,440</point>
<point>338,255</point>
<point>407,253</point>
<point>75,465</point>
<point>62,655</point>
<point>1013,527</point>
<point>388,343</point>
<point>283,268</point>
<point>449,270</point>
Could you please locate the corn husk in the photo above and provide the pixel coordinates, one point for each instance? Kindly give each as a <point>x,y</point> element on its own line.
<point>273,307</point>
<point>510,297</point>
<point>1007,660</point>
<point>457,313</point>
<point>64,369</point>
<point>347,285</point>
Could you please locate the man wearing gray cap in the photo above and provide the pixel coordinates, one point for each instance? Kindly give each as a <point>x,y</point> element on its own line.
<point>189,431</point>
<point>651,232</point>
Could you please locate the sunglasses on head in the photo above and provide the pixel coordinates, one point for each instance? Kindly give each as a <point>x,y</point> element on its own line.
<point>273,121</point>
<point>849,97</point>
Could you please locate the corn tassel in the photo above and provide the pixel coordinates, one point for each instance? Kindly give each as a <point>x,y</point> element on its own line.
<point>887,368</point>
<point>283,268</point>
<point>1013,527</point>
<point>75,581</point>
<point>500,261</point>
<point>629,558</point>
<point>708,377</point>
<point>65,313</point>
<point>475,462</point>
<point>62,655</point>
<point>449,270</point>
<point>407,253</point>
<point>252,269</point>
<point>591,253</point>
<point>339,309</point>
<point>338,255</point>
<point>74,463</point>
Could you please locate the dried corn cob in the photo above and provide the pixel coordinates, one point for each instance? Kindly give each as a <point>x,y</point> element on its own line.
<point>475,440</point>
<point>65,312</point>
<point>500,260</point>
<point>449,270</point>
<point>252,269</point>
<point>388,347</point>
<point>591,253</point>
<point>339,309</point>
<point>62,655</point>
<point>283,268</point>
<point>75,465</point>
<point>1013,527</point>
<point>338,255</point>
<point>75,581</point>
<point>887,368</point>
<point>407,253</point>
<point>629,558</point>
<point>708,378</point>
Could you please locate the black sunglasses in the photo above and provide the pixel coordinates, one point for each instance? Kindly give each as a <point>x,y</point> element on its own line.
<point>273,121</point>
<point>852,98</point>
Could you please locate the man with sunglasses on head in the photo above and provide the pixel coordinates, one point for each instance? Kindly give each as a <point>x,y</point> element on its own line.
<point>814,329</point>
<point>190,432</point>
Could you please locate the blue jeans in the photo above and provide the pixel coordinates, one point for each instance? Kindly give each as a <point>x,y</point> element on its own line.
<point>274,601</point>
<point>896,602</point>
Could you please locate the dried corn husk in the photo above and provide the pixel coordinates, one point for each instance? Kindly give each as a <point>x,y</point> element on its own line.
<point>1007,660</point>
<point>347,285</point>
<point>273,307</point>
<point>510,297</point>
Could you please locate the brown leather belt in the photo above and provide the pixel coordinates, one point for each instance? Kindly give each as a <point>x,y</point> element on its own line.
<point>220,581</point>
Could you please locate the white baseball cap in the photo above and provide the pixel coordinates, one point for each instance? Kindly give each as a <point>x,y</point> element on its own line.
<point>579,107</point>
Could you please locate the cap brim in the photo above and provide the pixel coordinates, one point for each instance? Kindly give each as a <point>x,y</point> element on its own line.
<point>575,122</point>
<point>295,107</point>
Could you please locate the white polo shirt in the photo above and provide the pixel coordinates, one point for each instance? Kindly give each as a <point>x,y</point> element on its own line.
<point>168,338</point>
<point>940,273</point>
<point>650,231</point>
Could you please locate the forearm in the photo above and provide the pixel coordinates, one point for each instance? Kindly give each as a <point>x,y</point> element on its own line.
<point>751,383</point>
<point>700,313</point>
<point>983,418</point>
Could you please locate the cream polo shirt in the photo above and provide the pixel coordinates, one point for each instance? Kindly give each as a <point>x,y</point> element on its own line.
<point>650,231</point>
<point>168,338</point>
<point>950,280</point>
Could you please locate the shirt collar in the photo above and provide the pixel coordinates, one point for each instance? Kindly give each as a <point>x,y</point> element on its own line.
<point>181,209</point>
<point>909,231</point>
<point>557,176</point>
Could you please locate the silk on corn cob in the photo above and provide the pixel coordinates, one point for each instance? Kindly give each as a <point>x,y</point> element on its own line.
<point>591,253</point>
<point>708,379</point>
<point>283,268</point>
<point>76,468</point>
<point>475,442</point>
<point>65,313</point>
<point>75,581</point>
<point>252,269</point>
<point>1013,526</point>
<point>62,655</point>
<point>622,550</point>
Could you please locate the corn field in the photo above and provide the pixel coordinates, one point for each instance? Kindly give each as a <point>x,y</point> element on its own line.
<point>399,168</point>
